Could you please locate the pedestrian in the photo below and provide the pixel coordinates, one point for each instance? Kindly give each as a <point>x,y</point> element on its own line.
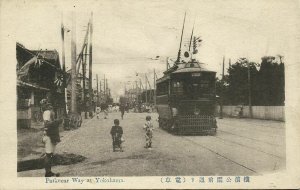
<point>122,109</point>
<point>50,138</point>
<point>98,110</point>
<point>104,107</point>
<point>116,134</point>
<point>148,126</point>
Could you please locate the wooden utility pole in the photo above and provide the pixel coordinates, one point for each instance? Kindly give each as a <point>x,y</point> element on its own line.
<point>150,93</point>
<point>91,61</point>
<point>73,67</point>
<point>83,82</point>
<point>136,91</point>
<point>154,88</point>
<point>97,90</point>
<point>249,90</point>
<point>104,89</point>
<point>63,59</point>
<point>146,88</point>
<point>100,83</point>
<point>222,93</point>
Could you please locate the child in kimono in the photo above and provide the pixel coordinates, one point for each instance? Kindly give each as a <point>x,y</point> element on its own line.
<point>116,134</point>
<point>149,132</point>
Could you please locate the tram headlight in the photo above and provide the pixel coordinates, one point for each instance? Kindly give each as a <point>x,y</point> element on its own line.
<point>174,112</point>
<point>197,111</point>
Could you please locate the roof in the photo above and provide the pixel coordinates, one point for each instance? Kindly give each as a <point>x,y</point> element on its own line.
<point>193,66</point>
<point>49,56</point>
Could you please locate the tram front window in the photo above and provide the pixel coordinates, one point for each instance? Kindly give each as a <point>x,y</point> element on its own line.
<point>195,90</point>
<point>191,90</point>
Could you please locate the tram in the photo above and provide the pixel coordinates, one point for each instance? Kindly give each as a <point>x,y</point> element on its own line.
<point>186,97</point>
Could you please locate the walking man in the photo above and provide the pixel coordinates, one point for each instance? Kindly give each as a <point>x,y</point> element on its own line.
<point>122,109</point>
<point>50,138</point>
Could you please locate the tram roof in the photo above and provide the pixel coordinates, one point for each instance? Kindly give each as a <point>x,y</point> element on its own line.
<point>189,67</point>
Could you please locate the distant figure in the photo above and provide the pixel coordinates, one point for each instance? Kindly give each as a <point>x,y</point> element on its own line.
<point>127,107</point>
<point>149,132</point>
<point>104,107</point>
<point>50,138</point>
<point>122,109</point>
<point>98,110</point>
<point>116,134</point>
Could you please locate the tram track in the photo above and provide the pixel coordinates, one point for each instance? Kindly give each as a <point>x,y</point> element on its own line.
<point>233,134</point>
<point>223,156</point>
<point>233,142</point>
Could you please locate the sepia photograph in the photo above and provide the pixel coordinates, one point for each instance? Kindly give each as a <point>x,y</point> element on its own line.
<point>187,92</point>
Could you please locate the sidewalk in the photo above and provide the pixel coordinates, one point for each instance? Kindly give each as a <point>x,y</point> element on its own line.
<point>31,148</point>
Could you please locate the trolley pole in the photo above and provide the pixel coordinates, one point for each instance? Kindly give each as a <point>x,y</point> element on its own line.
<point>73,67</point>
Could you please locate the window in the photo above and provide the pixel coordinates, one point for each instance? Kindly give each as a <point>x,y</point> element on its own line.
<point>162,88</point>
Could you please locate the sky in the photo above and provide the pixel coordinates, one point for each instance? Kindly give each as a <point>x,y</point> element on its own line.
<point>129,34</point>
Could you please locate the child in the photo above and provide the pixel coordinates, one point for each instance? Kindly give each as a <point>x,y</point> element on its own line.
<point>149,132</point>
<point>116,134</point>
<point>98,110</point>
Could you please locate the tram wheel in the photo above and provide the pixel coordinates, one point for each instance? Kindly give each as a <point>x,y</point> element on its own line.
<point>164,124</point>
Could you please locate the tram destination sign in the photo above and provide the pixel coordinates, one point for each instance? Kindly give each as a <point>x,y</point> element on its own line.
<point>196,74</point>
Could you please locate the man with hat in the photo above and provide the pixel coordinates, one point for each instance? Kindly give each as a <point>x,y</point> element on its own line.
<point>50,138</point>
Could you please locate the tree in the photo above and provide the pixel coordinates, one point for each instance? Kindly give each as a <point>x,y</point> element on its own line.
<point>270,82</point>
<point>238,82</point>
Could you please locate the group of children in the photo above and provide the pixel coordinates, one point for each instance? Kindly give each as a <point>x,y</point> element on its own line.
<point>117,133</point>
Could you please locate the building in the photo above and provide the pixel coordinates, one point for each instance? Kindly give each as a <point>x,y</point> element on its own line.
<point>39,76</point>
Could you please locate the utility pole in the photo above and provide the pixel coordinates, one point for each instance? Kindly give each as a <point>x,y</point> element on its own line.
<point>100,90</point>
<point>150,93</point>
<point>146,88</point>
<point>91,62</point>
<point>249,90</point>
<point>97,90</point>
<point>104,86</point>
<point>222,93</point>
<point>107,87</point>
<point>63,59</point>
<point>154,88</point>
<point>136,91</point>
<point>83,84</point>
<point>73,67</point>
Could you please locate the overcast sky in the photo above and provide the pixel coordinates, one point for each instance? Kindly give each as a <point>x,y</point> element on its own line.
<point>127,34</point>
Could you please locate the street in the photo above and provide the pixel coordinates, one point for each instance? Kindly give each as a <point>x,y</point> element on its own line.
<point>240,147</point>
